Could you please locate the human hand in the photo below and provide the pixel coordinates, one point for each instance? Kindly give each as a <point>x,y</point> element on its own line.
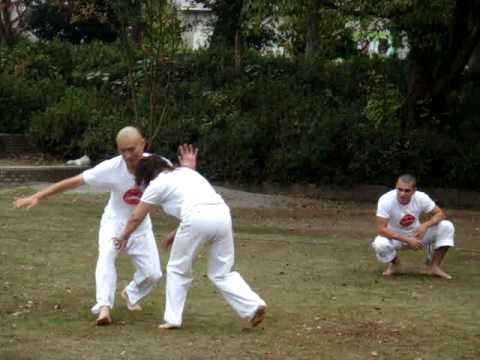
<point>414,243</point>
<point>120,244</point>
<point>168,241</point>
<point>25,202</point>
<point>421,230</point>
<point>187,155</point>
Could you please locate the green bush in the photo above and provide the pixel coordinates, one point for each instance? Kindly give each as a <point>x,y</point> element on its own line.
<point>81,122</point>
<point>21,98</point>
<point>100,66</point>
<point>37,60</point>
<point>17,103</point>
<point>273,119</point>
<point>32,76</point>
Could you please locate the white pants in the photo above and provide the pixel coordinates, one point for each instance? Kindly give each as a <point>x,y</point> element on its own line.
<point>143,250</point>
<point>439,235</point>
<point>206,224</point>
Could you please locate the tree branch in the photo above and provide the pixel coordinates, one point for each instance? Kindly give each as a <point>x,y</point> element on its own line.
<point>470,77</point>
<point>458,65</point>
<point>392,15</point>
<point>328,4</point>
<point>5,23</point>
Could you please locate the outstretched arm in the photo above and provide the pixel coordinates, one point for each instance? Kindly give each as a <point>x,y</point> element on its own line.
<point>61,186</point>
<point>136,218</point>
<point>187,155</point>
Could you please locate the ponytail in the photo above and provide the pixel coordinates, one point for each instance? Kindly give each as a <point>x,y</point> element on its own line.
<point>148,169</point>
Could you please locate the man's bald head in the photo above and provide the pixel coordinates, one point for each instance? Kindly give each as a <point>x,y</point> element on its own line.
<point>131,144</point>
<point>129,132</point>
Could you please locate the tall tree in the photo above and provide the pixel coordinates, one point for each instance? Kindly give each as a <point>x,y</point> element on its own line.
<point>12,19</point>
<point>228,21</point>
<point>302,26</point>
<point>442,36</point>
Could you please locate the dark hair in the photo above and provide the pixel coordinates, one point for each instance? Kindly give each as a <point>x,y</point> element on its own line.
<point>148,169</point>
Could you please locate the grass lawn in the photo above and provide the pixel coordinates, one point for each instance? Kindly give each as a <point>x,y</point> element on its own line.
<point>313,265</point>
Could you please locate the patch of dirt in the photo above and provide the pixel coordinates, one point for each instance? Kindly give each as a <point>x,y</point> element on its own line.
<point>244,199</point>
<point>317,217</point>
<point>334,219</point>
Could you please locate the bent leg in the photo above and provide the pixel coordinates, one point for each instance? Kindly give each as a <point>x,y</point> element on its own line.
<point>386,249</point>
<point>442,238</point>
<point>386,252</point>
<point>232,286</point>
<point>144,252</point>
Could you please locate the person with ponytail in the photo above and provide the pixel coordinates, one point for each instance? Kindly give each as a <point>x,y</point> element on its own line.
<point>204,220</point>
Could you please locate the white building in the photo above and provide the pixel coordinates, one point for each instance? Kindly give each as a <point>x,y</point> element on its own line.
<point>198,21</point>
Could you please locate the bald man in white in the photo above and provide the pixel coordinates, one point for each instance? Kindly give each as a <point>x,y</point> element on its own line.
<point>117,174</point>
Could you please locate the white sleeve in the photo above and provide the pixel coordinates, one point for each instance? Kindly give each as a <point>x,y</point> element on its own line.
<point>383,207</point>
<point>100,175</point>
<point>427,203</point>
<point>155,193</point>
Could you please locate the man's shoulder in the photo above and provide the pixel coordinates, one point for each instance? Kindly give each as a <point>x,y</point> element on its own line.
<point>106,168</point>
<point>422,196</point>
<point>419,193</point>
<point>112,162</point>
<point>388,196</point>
<point>386,204</point>
<point>424,200</point>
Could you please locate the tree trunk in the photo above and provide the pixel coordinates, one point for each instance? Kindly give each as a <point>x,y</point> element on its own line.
<point>420,83</point>
<point>6,34</point>
<point>228,23</point>
<point>312,46</point>
<point>435,74</point>
<point>473,66</point>
<point>238,52</point>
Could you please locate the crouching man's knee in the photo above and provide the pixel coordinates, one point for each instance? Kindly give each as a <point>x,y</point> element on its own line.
<point>384,249</point>
<point>445,234</point>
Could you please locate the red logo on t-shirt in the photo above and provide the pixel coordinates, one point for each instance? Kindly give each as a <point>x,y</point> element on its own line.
<point>132,196</point>
<point>407,220</point>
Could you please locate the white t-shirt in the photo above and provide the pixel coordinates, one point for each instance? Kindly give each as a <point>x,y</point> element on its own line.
<point>124,194</point>
<point>404,218</point>
<point>179,190</point>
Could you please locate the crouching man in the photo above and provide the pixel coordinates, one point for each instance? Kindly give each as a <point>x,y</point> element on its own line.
<point>399,227</point>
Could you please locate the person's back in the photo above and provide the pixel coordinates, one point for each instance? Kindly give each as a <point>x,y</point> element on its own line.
<point>204,219</point>
<point>180,189</point>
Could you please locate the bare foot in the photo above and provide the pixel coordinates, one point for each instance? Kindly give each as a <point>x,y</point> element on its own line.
<point>392,269</point>
<point>104,317</point>
<point>259,316</point>
<point>130,306</point>
<point>167,326</point>
<point>436,271</point>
